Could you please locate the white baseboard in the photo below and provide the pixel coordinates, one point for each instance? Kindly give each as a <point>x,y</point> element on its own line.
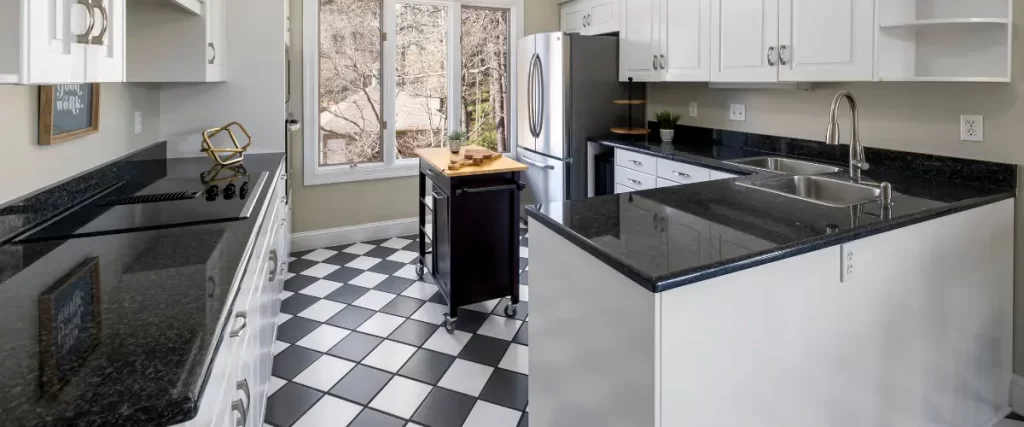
<point>1017,393</point>
<point>316,239</point>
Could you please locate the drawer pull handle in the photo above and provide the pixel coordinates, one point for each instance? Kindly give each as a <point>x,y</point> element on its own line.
<point>243,386</point>
<point>636,162</point>
<point>682,174</point>
<point>273,260</point>
<point>238,331</point>
<point>237,406</point>
<point>634,181</point>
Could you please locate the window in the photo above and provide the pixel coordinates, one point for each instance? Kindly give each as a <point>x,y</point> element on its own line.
<point>386,77</point>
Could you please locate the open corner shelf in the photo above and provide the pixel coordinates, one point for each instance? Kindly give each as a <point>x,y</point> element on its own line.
<point>945,21</point>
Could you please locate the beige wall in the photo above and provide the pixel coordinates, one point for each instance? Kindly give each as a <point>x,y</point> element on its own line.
<point>28,166</point>
<point>320,207</point>
<point>918,117</point>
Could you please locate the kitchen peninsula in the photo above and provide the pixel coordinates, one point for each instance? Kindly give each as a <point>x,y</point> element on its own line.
<point>721,304</point>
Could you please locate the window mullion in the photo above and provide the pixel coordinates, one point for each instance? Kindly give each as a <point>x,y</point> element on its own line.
<point>390,148</point>
<point>455,67</point>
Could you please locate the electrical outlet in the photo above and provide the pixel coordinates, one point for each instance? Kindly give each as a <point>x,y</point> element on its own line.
<point>738,112</point>
<point>138,122</point>
<point>846,273</point>
<point>972,128</point>
<point>693,109</point>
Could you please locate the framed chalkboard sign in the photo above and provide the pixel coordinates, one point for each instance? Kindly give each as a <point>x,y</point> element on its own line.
<point>68,111</point>
<point>69,324</point>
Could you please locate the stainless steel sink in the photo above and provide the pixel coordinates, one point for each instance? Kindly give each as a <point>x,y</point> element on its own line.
<point>785,166</point>
<point>818,189</point>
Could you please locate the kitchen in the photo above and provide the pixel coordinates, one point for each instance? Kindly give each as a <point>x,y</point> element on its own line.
<point>338,352</point>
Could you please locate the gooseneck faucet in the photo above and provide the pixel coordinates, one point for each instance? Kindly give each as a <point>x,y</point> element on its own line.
<point>857,162</point>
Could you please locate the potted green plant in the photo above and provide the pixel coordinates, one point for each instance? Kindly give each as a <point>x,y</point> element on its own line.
<point>667,123</point>
<point>455,140</point>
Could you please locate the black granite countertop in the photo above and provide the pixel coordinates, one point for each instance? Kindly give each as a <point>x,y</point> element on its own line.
<point>162,305</point>
<point>717,227</point>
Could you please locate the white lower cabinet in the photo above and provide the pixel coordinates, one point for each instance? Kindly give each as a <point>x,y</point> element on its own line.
<point>619,188</point>
<point>238,385</point>
<point>636,171</point>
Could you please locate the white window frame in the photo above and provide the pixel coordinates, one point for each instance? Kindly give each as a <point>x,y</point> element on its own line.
<point>315,173</point>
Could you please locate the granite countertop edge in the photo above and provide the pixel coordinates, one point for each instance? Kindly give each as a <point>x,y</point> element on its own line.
<point>693,159</point>
<point>701,273</point>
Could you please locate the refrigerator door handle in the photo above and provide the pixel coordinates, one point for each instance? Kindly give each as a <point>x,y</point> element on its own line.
<point>535,163</point>
<point>530,98</point>
<point>542,100</point>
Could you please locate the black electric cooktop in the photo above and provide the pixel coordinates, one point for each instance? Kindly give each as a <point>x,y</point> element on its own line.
<point>165,203</point>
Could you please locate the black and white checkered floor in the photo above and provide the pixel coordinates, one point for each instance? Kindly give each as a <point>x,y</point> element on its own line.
<point>360,343</point>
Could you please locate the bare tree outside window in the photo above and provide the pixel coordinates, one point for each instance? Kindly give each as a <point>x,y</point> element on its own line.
<point>421,77</point>
<point>485,76</point>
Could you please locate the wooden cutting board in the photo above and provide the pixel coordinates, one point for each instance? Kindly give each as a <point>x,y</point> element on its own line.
<point>440,159</point>
<point>473,157</point>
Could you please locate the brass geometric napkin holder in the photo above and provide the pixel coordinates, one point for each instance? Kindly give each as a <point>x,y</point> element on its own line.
<point>230,155</point>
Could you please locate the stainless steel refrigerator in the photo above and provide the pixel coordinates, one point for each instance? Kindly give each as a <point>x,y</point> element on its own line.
<point>566,85</point>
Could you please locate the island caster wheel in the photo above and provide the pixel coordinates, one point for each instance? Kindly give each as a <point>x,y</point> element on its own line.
<point>511,310</point>
<point>449,323</point>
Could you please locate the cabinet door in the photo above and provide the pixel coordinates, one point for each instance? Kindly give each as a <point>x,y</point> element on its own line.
<point>602,17</point>
<point>216,39</point>
<point>572,18</point>
<point>638,41</point>
<point>826,40</point>
<point>105,57</point>
<point>51,29</point>
<point>744,40</point>
<point>685,40</point>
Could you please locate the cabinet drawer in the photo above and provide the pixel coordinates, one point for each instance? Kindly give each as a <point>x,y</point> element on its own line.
<point>619,188</point>
<point>682,172</point>
<point>662,183</point>
<point>636,161</point>
<point>634,179</point>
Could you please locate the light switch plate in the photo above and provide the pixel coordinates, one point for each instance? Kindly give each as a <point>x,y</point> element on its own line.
<point>846,265</point>
<point>138,122</point>
<point>693,109</point>
<point>738,112</point>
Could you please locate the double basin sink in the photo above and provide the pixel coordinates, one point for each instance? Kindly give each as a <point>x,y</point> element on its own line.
<point>808,181</point>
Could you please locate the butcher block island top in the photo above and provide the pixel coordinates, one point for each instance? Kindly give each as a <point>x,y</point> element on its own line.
<point>441,157</point>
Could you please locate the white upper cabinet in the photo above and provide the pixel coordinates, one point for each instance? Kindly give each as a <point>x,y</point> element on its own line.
<point>169,44</point>
<point>826,40</point>
<point>590,17</point>
<point>744,40</point>
<point>61,41</point>
<point>639,46</point>
<point>572,17</point>
<point>685,40</point>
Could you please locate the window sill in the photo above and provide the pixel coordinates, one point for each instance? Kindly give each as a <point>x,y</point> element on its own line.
<point>341,174</point>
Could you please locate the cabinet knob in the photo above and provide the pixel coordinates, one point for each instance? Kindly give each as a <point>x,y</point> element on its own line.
<point>273,261</point>
<point>637,162</point>
<point>771,55</point>
<point>90,13</point>
<point>238,331</point>
<point>214,52</point>
<point>782,55</point>
<point>662,62</point>
<point>101,37</point>
<point>681,174</point>
<point>637,182</point>
<point>655,66</point>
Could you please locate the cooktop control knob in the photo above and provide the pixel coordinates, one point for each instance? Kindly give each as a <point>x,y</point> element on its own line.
<point>229,191</point>
<point>212,192</point>
<point>243,191</point>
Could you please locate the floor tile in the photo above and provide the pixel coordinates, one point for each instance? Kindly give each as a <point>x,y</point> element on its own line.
<point>524,293</point>
<point>516,359</point>
<point>402,256</point>
<point>275,384</point>
<point>483,307</point>
<point>524,241</point>
<point>413,332</point>
<point>358,249</point>
<point>490,415</point>
<point>363,262</point>
<point>438,298</point>
<point>430,313</point>
<point>329,411</point>
<point>361,384</point>
<point>500,327</point>
<point>322,310</point>
<point>279,347</point>
<point>421,290</point>
<point>415,246</point>
<point>321,288</point>
<point>394,285</point>
<point>447,343</point>
<point>400,397</point>
<point>298,282</point>
<point>444,408</point>
<point>524,278</point>
<point>407,272</point>
<point>300,265</point>
<point>289,403</point>
<point>350,317</point>
<point>524,252</point>
<point>323,338</point>
<point>506,388</point>
<point>469,320</point>
<point>381,252</point>
<point>324,373</point>
<point>341,258</point>
<point>368,279</point>
<point>522,310</point>
<point>524,421</point>
<point>402,306</point>
<point>523,264</point>
<point>295,329</point>
<point>320,270</point>
<point>344,274</point>
<point>374,300</point>
<point>380,324</point>
<point>396,243</point>
<point>347,294</point>
<point>283,317</point>
<point>523,336</point>
<point>389,356</point>
<point>299,254</point>
<point>484,350</point>
<point>374,418</point>
<point>286,294</point>
<point>355,346</point>
<point>427,366</point>
<point>377,242</point>
<point>296,303</point>
<point>387,267</point>
<point>466,377</point>
<point>292,361</point>
<point>319,255</point>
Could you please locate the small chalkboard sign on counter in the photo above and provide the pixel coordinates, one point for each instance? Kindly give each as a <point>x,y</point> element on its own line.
<point>68,111</point>
<point>69,324</point>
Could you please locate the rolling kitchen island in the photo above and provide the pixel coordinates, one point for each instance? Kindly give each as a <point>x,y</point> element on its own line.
<point>474,232</point>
